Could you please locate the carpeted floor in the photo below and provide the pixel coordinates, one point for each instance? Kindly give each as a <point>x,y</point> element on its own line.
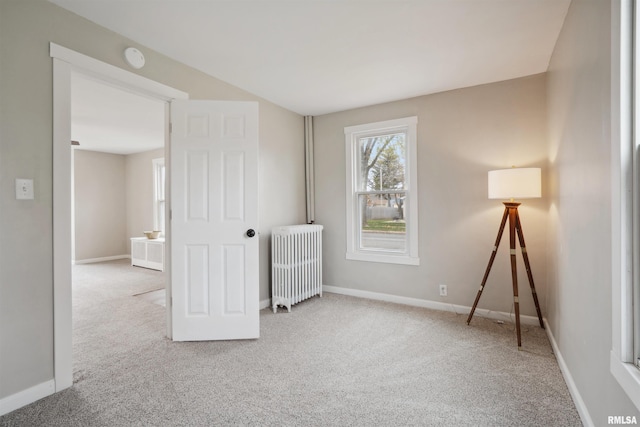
<point>334,360</point>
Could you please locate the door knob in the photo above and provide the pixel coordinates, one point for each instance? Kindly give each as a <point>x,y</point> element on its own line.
<point>251,232</point>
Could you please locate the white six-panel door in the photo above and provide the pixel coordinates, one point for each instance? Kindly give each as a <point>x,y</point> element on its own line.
<point>214,204</point>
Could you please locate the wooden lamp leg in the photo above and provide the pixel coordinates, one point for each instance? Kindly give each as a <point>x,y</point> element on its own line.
<point>525,256</point>
<point>513,212</point>
<point>493,256</point>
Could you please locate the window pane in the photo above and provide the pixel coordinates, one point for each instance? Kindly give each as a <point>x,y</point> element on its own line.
<point>382,162</point>
<point>159,175</point>
<point>161,182</point>
<point>160,214</point>
<point>382,225</point>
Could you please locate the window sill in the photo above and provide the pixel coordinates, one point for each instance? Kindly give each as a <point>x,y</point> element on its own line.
<point>388,259</point>
<point>628,376</point>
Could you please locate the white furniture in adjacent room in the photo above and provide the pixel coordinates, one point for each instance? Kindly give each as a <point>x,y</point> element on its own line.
<point>148,253</point>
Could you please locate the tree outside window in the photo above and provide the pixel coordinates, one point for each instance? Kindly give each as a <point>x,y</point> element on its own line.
<point>382,191</point>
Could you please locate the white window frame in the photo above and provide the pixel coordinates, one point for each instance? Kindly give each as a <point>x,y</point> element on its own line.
<point>635,326</point>
<point>625,200</point>
<point>159,203</point>
<point>352,136</point>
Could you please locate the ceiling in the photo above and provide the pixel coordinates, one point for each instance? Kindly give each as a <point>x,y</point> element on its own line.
<point>108,119</point>
<point>320,56</point>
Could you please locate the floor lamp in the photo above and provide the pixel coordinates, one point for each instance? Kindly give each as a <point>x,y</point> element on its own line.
<point>514,183</point>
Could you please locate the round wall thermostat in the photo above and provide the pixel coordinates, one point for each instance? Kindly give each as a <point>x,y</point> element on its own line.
<point>134,57</point>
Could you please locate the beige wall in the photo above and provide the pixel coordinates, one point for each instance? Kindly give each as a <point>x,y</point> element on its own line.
<point>26,297</point>
<point>579,274</point>
<point>139,192</point>
<point>100,214</point>
<point>462,134</point>
<point>113,197</point>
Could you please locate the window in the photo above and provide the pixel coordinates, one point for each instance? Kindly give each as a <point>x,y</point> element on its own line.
<point>158,194</point>
<point>625,140</point>
<point>382,205</point>
<point>635,166</point>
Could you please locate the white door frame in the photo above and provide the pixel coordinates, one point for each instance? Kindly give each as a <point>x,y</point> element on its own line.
<point>66,62</point>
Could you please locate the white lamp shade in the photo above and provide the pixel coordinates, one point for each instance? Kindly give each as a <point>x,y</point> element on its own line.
<point>515,183</point>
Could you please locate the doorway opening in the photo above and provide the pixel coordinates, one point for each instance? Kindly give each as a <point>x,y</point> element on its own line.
<point>65,63</point>
<point>118,174</point>
<point>117,160</point>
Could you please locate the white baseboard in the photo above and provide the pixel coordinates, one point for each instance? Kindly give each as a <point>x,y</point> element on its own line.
<point>434,305</point>
<point>265,303</point>
<point>102,259</point>
<point>25,397</point>
<point>568,379</point>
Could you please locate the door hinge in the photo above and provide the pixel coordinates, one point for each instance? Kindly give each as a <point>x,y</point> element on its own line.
<point>170,127</point>
<point>170,214</point>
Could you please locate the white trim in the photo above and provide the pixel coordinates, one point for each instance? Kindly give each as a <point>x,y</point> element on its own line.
<point>112,74</point>
<point>581,407</point>
<point>65,62</point>
<point>25,397</point>
<point>379,257</point>
<point>631,310</point>
<point>101,259</point>
<point>434,305</point>
<point>167,222</point>
<point>62,229</point>
<point>265,303</point>
<point>628,376</point>
<point>382,126</point>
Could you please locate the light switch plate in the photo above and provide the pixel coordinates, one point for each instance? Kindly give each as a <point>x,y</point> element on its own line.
<point>24,189</point>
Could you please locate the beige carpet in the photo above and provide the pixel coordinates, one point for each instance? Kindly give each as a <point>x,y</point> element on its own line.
<point>158,296</point>
<point>334,360</point>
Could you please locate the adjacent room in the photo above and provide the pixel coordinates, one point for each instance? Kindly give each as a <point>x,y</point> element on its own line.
<point>341,192</point>
<point>118,184</point>
<point>118,170</point>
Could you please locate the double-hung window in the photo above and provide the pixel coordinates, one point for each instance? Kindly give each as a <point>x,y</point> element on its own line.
<point>158,194</point>
<point>382,205</point>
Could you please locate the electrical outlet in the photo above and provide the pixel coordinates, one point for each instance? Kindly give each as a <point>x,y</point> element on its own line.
<point>443,290</point>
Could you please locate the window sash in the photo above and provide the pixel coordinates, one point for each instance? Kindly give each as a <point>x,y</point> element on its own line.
<point>390,191</point>
<point>396,247</point>
<point>390,243</point>
<point>159,194</point>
